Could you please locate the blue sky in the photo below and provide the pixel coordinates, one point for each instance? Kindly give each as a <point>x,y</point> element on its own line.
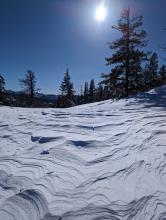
<point>49,36</point>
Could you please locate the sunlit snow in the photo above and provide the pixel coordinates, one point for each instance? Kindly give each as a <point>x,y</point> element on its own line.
<point>104,160</point>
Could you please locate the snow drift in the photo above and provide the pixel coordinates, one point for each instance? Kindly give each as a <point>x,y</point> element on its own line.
<point>104,160</point>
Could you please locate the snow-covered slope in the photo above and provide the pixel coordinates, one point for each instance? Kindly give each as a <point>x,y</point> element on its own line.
<point>105,160</point>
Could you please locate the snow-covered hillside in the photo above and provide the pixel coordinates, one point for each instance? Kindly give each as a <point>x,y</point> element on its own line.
<point>104,160</point>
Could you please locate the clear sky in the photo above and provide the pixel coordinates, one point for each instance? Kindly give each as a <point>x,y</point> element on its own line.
<point>49,36</point>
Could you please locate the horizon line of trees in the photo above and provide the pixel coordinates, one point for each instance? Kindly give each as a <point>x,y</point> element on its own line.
<point>133,70</point>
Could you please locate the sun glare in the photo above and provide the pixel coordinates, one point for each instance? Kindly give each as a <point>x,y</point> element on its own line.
<point>100,13</point>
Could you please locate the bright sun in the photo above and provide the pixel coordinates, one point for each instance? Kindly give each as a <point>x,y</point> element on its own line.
<point>100,13</point>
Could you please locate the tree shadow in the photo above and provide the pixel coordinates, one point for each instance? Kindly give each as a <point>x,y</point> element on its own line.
<point>154,98</point>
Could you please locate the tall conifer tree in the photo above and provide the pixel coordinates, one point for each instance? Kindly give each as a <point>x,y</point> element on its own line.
<point>128,54</point>
<point>29,85</point>
<point>2,88</point>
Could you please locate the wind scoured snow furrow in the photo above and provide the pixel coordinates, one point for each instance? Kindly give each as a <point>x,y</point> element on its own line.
<point>104,160</point>
<point>26,205</point>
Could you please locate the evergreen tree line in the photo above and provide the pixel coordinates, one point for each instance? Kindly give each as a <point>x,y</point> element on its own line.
<point>133,70</point>
<point>28,85</point>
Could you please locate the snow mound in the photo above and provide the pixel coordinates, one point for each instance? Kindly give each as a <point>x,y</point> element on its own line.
<point>104,160</point>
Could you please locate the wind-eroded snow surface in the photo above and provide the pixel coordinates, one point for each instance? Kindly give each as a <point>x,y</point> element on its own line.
<point>104,160</point>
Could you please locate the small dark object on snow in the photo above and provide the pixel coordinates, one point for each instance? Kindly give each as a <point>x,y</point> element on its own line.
<point>44,152</point>
<point>44,113</point>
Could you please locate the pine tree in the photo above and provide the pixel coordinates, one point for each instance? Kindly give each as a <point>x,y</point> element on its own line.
<point>113,83</point>
<point>80,98</point>
<point>153,69</point>
<point>106,82</point>
<point>67,91</point>
<point>81,92</point>
<point>29,85</point>
<point>66,87</point>
<point>2,88</point>
<point>128,54</point>
<point>59,103</point>
<point>100,93</point>
<point>86,92</point>
<point>136,77</point>
<point>92,90</point>
<point>162,75</point>
<point>147,78</point>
